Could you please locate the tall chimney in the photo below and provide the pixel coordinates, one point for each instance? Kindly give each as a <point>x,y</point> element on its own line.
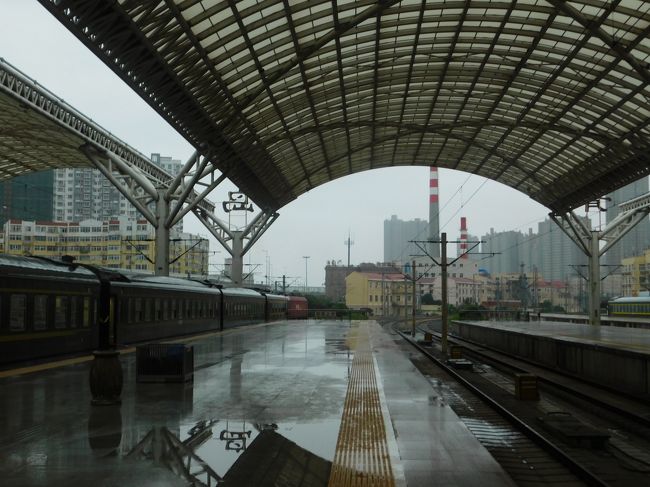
<point>463,237</point>
<point>434,217</point>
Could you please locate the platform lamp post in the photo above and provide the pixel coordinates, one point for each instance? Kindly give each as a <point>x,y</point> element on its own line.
<point>306,257</point>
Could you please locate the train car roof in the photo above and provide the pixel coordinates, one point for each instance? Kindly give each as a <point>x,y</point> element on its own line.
<point>40,266</point>
<point>631,299</point>
<point>164,282</point>
<point>276,297</point>
<point>297,298</point>
<point>240,291</point>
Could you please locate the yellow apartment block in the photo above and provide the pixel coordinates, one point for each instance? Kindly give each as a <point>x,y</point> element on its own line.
<point>381,293</point>
<point>118,244</point>
<point>636,274</point>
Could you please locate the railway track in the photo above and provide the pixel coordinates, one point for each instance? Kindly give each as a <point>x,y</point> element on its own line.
<point>528,454</point>
<point>625,457</point>
<point>626,406</point>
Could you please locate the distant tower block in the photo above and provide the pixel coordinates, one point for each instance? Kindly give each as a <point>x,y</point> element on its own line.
<point>434,217</point>
<point>463,237</point>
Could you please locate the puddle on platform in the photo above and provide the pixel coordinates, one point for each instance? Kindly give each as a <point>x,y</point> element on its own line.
<point>336,345</point>
<point>229,439</point>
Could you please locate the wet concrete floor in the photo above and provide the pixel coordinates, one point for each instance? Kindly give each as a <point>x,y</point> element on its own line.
<point>287,377</point>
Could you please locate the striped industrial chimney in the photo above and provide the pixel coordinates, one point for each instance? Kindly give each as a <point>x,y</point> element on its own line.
<point>463,237</point>
<point>434,216</point>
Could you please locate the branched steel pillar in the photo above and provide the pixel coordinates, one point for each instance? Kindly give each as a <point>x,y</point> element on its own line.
<point>161,262</point>
<point>588,241</point>
<point>237,242</point>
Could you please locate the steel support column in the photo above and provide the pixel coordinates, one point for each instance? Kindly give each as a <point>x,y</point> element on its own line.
<point>594,278</point>
<point>237,242</point>
<point>161,262</point>
<point>237,263</point>
<point>632,212</point>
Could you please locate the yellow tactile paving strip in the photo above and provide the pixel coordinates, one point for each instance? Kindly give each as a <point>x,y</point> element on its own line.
<point>362,457</point>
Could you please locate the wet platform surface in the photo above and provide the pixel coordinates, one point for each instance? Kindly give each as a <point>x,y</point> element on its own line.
<point>629,339</point>
<point>266,395</point>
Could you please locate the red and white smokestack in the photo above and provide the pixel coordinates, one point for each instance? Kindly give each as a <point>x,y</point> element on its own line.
<point>463,237</point>
<point>434,217</point>
<point>433,185</point>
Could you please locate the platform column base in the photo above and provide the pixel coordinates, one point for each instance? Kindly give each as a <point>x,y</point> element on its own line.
<point>106,378</point>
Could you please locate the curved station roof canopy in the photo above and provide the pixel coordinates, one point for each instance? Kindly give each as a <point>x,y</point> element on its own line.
<point>549,97</point>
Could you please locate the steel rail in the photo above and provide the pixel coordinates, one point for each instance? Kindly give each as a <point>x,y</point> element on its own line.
<point>549,382</point>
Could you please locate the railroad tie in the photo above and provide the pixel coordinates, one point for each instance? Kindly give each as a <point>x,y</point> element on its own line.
<point>362,457</point>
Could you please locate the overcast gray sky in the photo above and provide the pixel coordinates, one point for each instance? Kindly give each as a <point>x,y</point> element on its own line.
<point>317,223</point>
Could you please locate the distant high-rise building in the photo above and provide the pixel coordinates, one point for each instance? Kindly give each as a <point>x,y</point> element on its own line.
<point>638,239</point>
<point>69,195</point>
<point>549,252</point>
<point>84,193</point>
<point>554,254</point>
<point>27,197</point>
<point>172,166</point>
<point>397,236</point>
<point>506,248</point>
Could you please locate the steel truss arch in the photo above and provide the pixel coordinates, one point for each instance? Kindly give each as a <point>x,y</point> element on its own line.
<point>277,92</point>
<point>49,133</point>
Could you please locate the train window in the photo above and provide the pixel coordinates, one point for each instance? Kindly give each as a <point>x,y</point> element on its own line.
<point>172,305</point>
<point>61,312</point>
<point>86,312</point>
<point>157,310</point>
<point>17,308</point>
<point>165,309</point>
<point>74,311</point>
<point>130,308</point>
<point>40,312</point>
<point>147,309</point>
<point>137,310</point>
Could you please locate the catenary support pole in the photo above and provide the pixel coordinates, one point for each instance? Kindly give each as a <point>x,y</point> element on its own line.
<point>406,309</point>
<point>444,310</point>
<point>413,313</point>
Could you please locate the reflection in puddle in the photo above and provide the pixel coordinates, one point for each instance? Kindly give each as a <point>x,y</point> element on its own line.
<point>235,440</point>
<point>164,448</point>
<point>203,458</point>
<point>336,345</point>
